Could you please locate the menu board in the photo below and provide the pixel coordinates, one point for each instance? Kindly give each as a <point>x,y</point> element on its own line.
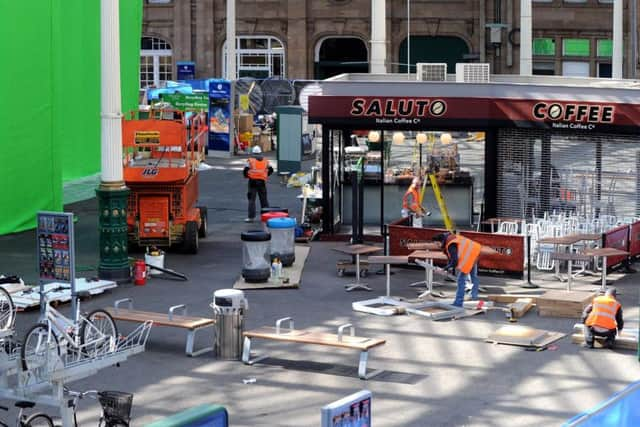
<point>55,246</point>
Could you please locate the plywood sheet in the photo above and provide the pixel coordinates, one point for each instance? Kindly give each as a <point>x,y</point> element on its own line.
<point>558,303</point>
<point>294,273</point>
<point>524,336</point>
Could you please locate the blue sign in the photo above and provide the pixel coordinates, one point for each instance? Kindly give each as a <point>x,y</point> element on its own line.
<point>186,70</point>
<point>220,114</point>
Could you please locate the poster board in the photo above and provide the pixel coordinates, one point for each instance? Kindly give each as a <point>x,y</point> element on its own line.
<point>352,410</point>
<point>56,252</point>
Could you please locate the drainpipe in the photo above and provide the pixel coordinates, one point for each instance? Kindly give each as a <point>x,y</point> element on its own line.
<point>231,40</point>
<point>378,37</point>
<point>483,31</point>
<point>526,65</point>
<point>633,29</point>
<point>616,72</point>
<point>509,14</point>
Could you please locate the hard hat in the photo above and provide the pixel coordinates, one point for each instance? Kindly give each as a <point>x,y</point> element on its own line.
<point>256,150</point>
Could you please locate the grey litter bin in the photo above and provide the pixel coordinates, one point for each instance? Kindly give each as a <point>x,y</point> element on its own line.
<point>229,308</point>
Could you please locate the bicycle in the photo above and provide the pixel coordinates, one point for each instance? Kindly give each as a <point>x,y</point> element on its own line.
<point>91,335</point>
<point>116,406</point>
<point>38,419</point>
<point>7,310</point>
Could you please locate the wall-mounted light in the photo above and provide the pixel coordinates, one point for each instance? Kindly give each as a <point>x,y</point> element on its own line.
<point>421,138</point>
<point>374,136</point>
<point>397,138</point>
<point>445,138</point>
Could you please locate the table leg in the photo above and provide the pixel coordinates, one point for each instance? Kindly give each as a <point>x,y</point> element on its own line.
<point>357,284</point>
<point>388,271</point>
<point>604,274</point>
<point>570,276</point>
<point>430,276</point>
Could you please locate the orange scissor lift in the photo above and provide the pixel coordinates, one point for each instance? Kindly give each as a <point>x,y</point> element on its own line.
<point>161,158</point>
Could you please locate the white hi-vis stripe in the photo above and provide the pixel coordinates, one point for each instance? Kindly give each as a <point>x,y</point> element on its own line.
<point>465,251</point>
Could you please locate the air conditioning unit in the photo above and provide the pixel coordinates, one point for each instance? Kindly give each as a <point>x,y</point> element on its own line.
<point>431,72</point>
<point>472,73</point>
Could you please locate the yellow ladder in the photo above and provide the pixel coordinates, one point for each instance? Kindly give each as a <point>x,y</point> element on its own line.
<point>448,223</point>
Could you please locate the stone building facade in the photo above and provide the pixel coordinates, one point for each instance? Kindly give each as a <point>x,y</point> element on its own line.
<point>307,39</point>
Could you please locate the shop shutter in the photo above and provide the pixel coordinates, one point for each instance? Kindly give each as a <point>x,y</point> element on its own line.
<point>548,171</point>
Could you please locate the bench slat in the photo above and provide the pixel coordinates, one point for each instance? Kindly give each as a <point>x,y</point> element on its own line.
<point>311,337</point>
<point>159,319</point>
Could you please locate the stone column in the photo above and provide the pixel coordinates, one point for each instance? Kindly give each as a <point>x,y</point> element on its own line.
<point>616,61</point>
<point>112,192</point>
<point>205,48</point>
<point>378,37</point>
<point>526,64</point>
<point>182,36</point>
<point>296,56</point>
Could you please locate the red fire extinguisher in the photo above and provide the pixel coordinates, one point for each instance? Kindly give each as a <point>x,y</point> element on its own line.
<point>139,273</point>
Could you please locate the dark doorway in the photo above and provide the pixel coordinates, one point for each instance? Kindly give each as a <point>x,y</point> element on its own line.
<point>341,55</point>
<point>447,49</point>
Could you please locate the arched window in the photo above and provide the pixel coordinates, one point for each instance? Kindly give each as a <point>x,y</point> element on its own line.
<point>155,62</point>
<point>257,56</point>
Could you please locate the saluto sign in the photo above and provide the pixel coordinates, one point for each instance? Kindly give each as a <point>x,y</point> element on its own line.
<point>462,112</point>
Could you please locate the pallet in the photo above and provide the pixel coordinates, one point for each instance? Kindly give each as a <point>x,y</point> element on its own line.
<point>524,336</point>
<point>559,303</point>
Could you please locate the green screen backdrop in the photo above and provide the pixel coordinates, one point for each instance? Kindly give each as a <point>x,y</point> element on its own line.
<point>50,80</point>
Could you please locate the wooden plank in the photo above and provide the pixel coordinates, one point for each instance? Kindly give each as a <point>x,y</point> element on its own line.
<point>159,319</point>
<point>294,273</point>
<point>521,306</point>
<point>506,298</point>
<point>309,337</point>
<point>623,342</point>
<point>558,303</point>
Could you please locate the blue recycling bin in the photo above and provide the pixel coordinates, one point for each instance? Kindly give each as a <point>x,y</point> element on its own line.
<point>283,237</point>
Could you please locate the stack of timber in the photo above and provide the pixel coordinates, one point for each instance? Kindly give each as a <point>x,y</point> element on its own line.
<point>558,303</point>
<point>520,307</point>
<point>627,340</point>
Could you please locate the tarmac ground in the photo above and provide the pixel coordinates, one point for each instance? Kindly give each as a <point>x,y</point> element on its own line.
<point>435,373</point>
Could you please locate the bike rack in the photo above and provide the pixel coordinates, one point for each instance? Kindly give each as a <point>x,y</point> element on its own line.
<point>44,384</point>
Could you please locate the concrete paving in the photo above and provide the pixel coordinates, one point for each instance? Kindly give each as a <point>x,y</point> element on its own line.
<point>436,373</point>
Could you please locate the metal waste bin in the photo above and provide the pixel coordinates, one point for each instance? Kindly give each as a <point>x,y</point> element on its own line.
<point>229,307</point>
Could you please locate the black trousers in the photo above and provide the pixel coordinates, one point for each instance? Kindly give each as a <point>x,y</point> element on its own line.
<point>258,187</point>
<point>590,332</point>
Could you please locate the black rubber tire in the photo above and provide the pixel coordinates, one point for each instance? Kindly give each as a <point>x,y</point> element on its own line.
<point>23,356</point>
<point>38,420</point>
<point>256,275</point>
<point>191,243</point>
<point>7,310</point>
<point>204,225</point>
<point>84,332</point>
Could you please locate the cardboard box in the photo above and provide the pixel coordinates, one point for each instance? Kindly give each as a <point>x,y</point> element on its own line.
<point>265,141</point>
<point>245,123</point>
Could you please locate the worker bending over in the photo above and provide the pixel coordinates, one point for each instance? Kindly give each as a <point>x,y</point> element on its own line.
<point>463,254</point>
<point>603,318</point>
<point>411,204</point>
<point>257,171</point>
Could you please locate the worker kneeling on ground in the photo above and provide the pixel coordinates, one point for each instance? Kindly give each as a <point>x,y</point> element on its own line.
<point>603,318</point>
<point>463,255</point>
<point>411,204</point>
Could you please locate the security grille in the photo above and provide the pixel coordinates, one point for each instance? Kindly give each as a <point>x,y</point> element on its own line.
<point>587,174</point>
<point>472,73</point>
<point>431,72</point>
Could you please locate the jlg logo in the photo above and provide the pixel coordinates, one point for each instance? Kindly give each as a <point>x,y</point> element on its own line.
<point>150,172</point>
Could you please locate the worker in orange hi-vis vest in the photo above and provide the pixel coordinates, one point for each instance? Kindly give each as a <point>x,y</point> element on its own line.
<point>257,171</point>
<point>603,318</point>
<point>411,204</point>
<point>463,254</point>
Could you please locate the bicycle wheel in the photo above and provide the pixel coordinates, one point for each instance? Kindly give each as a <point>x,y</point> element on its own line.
<point>37,345</point>
<point>96,332</point>
<point>38,420</point>
<point>7,310</point>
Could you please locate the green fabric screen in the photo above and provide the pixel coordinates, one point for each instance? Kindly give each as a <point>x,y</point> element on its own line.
<point>50,131</point>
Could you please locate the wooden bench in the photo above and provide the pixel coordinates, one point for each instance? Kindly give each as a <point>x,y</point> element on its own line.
<point>311,337</point>
<point>170,319</point>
